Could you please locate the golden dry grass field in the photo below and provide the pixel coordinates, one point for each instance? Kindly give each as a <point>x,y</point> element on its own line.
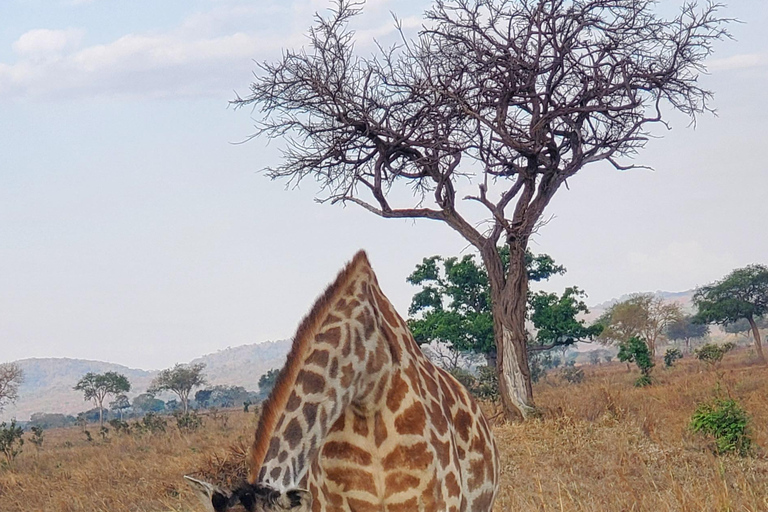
<point>601,445</point>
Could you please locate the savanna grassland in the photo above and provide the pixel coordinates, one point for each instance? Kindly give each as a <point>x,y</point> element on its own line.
<point>600,445</point>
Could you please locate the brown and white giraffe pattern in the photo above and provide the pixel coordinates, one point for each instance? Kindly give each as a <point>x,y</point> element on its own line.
<point>365,422</point>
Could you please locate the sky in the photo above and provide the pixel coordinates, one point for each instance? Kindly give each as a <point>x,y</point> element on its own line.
<point>137,228</point>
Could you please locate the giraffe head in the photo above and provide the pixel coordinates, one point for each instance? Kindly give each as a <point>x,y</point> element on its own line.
<point>249,498</point>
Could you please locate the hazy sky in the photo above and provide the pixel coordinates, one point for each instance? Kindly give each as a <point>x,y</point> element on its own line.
<point>133,230</point>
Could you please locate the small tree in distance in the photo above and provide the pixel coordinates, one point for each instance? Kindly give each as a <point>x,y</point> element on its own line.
<point>635,350</point>
<point>643,316</point>
<point>119,404</point>
<point>267,382</point>
<point>179,380</point>
<point>96,387</point>
<point>685,329</point>
<point>11,377</point>
<point>742,294</point>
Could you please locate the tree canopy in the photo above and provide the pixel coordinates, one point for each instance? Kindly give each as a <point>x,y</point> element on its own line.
<point>515,95</point>
<point>179,380</point>
<point>685,329</point>
<point>454,306</point>
<point>742,294</point>
<point>642,315</point>
<point>97,386</point>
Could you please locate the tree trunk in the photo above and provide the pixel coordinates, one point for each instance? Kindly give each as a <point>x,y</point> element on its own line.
<point>756,335</point>
<point>508,304</point>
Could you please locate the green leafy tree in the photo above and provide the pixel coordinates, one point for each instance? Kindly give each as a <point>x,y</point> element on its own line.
<point>146,403</point>
<point>635,350</point>
<point>11,440</point>
<point>743,327</point>
<point>742,294</point>
<point>120,404</point>
<point>685,329</point>
<point>267,382</point>
<point>556,321</point>
<point>11,377</point>
<point>97,386</point>
<point>518,95</point>
<point>453,308</point>
<point>642,315</point>
<point>180,379</point>
<point>671,355</point>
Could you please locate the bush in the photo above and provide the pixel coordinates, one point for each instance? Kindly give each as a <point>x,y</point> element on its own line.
<point>188,422</point>
<point>37,437</point>
<point>487,383</point>
<point>643,380</point>
<point>712,354</point>
<point>572,375</point>
<point>726,421</point>
<point>672,355</point>
<point>120,426</point>
<point>635,350</point>
<point>11,440</point>
<point>151,423</point>
<point>484,386</point>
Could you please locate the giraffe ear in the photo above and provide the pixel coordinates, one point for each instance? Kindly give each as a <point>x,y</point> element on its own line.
<point>213,498</point>
<point>296,500</point>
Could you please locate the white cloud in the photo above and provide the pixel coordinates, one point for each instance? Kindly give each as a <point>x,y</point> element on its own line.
<point>741,61</point>
<point>208,53</point>
<point>186,60</point>
<point>44,42</point>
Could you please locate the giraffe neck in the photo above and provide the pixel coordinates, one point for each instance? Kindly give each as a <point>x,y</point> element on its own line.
<point>346,363</point>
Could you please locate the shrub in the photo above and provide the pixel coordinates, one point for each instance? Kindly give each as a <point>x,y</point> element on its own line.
<point>120,426</point>
<point>484,385</point>
<point>711,354</point>
<point>672,355</point>
<point>726,421</point>
<point>635,350</point>
<point>11,440</point>
<point>487,383</point>
<point>151,423</point>
<point>37,437</point>
<point>572,375</point>
<point>188,422</point>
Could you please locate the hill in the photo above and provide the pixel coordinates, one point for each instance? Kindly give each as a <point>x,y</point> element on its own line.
<point>48,382</point>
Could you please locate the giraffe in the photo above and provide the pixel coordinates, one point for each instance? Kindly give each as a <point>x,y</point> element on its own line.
<point>360,420</point>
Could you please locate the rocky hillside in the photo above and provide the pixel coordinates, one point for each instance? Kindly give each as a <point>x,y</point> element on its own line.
<point>48,382</point>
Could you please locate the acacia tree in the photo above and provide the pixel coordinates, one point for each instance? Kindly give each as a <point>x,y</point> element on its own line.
<point>97,386</point>
<point>643,315</point>
<point>685,329</point>
<point>742,294</point>
<point>517,95</point>
<point>454,304</point>
<point>179,380</point>
<point>11,377</point>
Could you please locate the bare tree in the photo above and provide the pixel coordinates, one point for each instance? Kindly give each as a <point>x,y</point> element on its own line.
<point>516,95</point>
<point>11,377</point>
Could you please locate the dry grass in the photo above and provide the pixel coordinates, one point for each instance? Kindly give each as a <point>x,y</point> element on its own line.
<point>602,445</point>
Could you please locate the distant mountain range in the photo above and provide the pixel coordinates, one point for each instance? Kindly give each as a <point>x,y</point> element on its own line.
<point>685,299</point>
<point>48,382</point>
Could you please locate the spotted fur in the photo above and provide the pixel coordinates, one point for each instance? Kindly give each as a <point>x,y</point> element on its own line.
<point>364,421</point>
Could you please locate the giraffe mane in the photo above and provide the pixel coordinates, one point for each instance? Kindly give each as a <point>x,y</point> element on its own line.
<point>275,403</point>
